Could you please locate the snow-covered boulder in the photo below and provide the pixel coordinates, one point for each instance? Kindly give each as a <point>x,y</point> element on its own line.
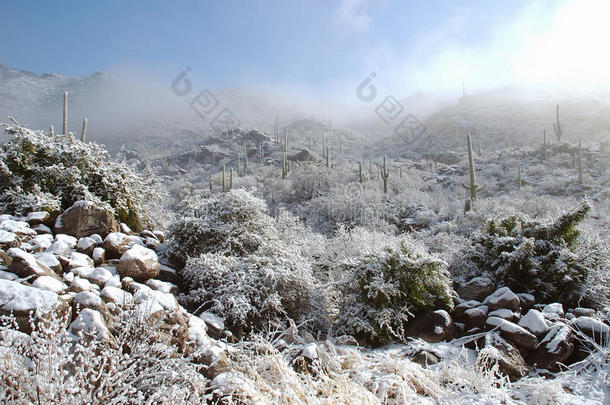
<point>592,327</point>
<point>508,358</point>
<point>553,311</point>
<point>84,218</point>
<point>8,239</point>
<point>40,243</point>
<point>505,314</point>
<point>534,322</point>
<point>476,289</point>
<point>85,245</point>
<point>89,324</point>
<point>513,332</point>
<point>20,228</point>
<point>23,301</point>
<point>79,284</point>
<point>431,326</point>
<point>162,286</point>
<point>115,244</point>
<point>25,265</point>
<point>37,218</point>
<point>88,299</point>
<point>79,260</point>
<point>98,255</point>
<point>556,347</point>
<point>117,296</point>
<point>475,317</point>
<point>59,248</point>
<point>215,324</point>
<point>139,263</point>
<point>67,239</point>
<point>50,284</point>
<point>49,260</point>
<point>502,298</point>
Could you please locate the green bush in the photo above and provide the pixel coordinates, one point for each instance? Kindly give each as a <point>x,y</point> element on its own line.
<point>531,256</point>
<point>385,291</point>
<point>40,172</point>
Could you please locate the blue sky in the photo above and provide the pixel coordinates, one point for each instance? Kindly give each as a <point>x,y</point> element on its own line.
<point>317,46</point>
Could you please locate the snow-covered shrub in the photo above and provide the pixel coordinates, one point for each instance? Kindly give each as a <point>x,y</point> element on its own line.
<point>239,266</point>
<point>40,172</point>
<point>135,367</point>
<point>231,223</point>
<point>268,286</point>
<point>537,257</point>
<point>387,289</point>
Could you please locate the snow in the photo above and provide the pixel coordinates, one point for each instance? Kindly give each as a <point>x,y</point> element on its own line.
<point>5,275</point>
<point>81,284</point>
<point>505,326</point>
<point>91,323</point>
<point>88,299</point>
<point>98,276</point>
<point>50,284</point>
<point>553,311</point>
<point>117,296</point>
<point>97,239</point>
<point>28,259</point>
<point>150,301</point>
<point>41,243</point>
<point>557,334</point>
<point>37,216</point>
<point>67,239</point>
<point>8,237</point>
<point>98,254</point>
<point>501,295</point>
<point>49,260</point>
<point>503,313</point>
<point>475,311</point>
<point>198,331</point>
<point>59,248</point>
<point>534,322</point>
<point>114,281</point>
<point>85,243</point>
<point>588,324</point>
<point>18,227</point>
<point>79,260</point>
<point>18,297</point>
<point>42,229</point>
<point>162,286</point>
<point>213,320</point>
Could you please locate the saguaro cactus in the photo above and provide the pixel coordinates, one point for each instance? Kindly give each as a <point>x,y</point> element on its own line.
<point>579,162</point>
<point>360,177</point>
<point>544,144</point>
<point>276,134</point>
<point>328,157</point>
<point>231,179</point>
<point>519,174</point>
<point>261,154</point>
<point>558,126</point>
<point>52,130</point>
<point>211,182</point>
<point>284,166</point>
<point>65,112</point>
<point>83,135</point>
<point>245,160</point>
<point>384,175</point>
<point>474,187</point>
<point>224,184</point>
<point>286,140</point>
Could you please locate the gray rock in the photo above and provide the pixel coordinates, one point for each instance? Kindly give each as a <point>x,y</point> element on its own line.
<point>84,218</point>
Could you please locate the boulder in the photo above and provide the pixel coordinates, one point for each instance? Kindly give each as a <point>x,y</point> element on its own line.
<point>431,327</point>
<point>26,302</point>
<point>9,240</point>
<point>555,349</point>
<point>50,260</point>
<point>79,260</point>
<point>115,244</point>
<point>513,332</point>
<point>98,255</point>
<point>594,328</point>
<point>475,317</point>
<point>50,284</point>
<point>507,357</point>
<point>20,228</point>
<point>505,314</point>
<point>579,311</point>
<point>502,298</point>
<point>534,322</point>
<point>527,301</point>
<point>89,325</point>
<point>476,289</point>
<point>215,324</point>
<point>460,309</point>
<point>139,263</point>
<point>85,245</point>
<point>38,218</point>
<point>553,311</point>
<point>84,218</point>
<point>25,265</point>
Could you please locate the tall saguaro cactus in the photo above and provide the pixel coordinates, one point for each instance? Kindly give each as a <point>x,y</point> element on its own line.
<point>286,140</point>
<point>360,177</point>
<point>474,187</point>
<point>519,174</point>
<point>328,157</point>
<point>544,144</point>
<point>245,160</point>
<point>83,135</point>
<point>52,130</point>
<point>284,165</point>
<point>558,126</point>
<point>231,179</point>
<point>65,112</point>
<point>224,184</point>
<point>579,162</point>
<point>384,175</point>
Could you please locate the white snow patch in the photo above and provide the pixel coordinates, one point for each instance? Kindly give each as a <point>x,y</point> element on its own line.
<point>50,284</point>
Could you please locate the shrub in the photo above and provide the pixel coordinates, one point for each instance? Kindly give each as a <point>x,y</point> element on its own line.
<point>385,290</point>
<point>40,172</point>
<point>231,223</point>
<point>531,256</point>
